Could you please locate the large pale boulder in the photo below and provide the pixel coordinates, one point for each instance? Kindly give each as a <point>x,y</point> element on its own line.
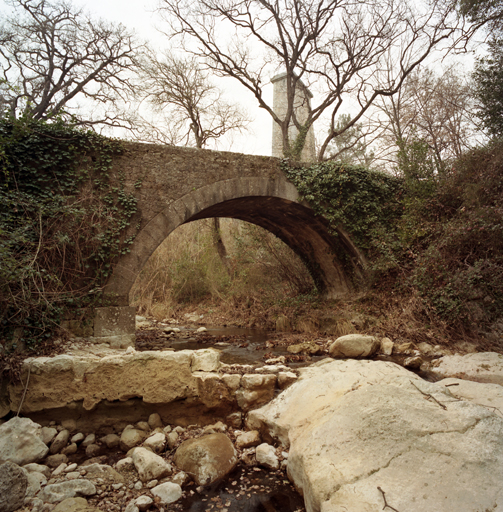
<point>21,441</point>
<point>354,345</point>
<point>207,458</point>
<point>488,395</point>
<point>13,485</point>
<point>479,367</point>
<point>357,429</point>
<point>149,465</point>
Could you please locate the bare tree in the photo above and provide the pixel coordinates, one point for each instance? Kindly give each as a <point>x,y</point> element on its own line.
<point>436,108</point>
<point>193,108</point>
<point>353,145</point>
<point>352,52</point>
<point>52,55</point>
<point>193,111</point>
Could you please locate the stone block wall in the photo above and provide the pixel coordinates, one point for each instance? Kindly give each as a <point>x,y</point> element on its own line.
<point>302,106</point>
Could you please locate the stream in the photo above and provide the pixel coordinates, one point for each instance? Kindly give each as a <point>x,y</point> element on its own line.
<point>248,489</point>
<point>245,346</point>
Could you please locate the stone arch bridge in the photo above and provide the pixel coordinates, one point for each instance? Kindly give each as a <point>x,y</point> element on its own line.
<point>178,185</point>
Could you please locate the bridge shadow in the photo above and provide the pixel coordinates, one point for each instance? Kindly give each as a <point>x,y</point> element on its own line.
<point>271,203</point>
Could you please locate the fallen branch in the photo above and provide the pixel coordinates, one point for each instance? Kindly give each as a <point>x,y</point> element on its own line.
<point>25,390</point>
<point>385,502</point>
<point>428,396</point>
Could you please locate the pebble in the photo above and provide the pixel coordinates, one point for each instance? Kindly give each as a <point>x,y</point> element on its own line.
<point>59,469</point>
<point>90,439</point>
<point>144,502</point>
<point>77,438</point>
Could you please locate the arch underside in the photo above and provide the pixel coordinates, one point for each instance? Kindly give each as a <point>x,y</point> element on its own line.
<point>296,226</point>
<point>270,204</point>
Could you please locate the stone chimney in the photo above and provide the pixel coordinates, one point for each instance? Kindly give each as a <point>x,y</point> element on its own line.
<point>302,106</point>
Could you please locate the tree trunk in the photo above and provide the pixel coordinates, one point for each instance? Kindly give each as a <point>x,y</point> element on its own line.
<point>219,245</point>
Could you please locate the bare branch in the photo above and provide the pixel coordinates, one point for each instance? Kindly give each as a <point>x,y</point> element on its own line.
<point>51,55</point>
<point>195,112</point>
<point>351,52</point>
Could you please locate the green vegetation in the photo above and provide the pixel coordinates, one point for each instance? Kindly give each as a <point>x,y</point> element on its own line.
<point>365,202</point>
<point>489,87</point>
<point>437,232</point>
<point>63,222</point>
<point>458,262</point>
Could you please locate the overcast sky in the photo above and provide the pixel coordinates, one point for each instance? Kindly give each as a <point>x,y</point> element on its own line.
<point>141,16</point>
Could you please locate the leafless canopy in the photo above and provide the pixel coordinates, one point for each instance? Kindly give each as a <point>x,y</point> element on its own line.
<point>52,55</point>
<point>192,106</point>
<point>436,108</point>
<point>350,53</point>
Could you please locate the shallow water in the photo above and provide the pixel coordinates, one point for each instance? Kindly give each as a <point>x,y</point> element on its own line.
<point>246,490</point>
<point>248,346</point>
<point>238,345</point>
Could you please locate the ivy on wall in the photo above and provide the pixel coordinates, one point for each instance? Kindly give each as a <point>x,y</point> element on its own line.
<point>441,232</point>
<point>64,221</point>
<point>364,202</point>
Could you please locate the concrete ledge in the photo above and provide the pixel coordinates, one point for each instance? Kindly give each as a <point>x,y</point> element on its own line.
<point>166,381</point>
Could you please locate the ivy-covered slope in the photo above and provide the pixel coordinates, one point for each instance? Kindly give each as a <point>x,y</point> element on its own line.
<point>366,203</point>
<point>62,224</point>
<point>439,238</point>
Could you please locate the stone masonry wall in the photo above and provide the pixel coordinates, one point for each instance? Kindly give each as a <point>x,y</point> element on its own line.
<point>302,105</point>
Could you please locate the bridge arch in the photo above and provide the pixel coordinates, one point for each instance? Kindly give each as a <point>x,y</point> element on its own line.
<point>269,202</point>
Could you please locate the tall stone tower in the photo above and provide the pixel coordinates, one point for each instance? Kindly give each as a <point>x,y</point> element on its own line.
<point>302,106</point>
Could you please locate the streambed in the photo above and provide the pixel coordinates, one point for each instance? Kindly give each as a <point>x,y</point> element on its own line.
<point>242,346</point>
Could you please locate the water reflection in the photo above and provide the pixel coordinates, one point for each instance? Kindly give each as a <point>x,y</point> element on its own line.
<point>247,491</point>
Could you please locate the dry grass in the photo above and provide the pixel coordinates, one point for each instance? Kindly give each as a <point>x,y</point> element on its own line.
<point>186,272</point>
<point>266,280</point>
